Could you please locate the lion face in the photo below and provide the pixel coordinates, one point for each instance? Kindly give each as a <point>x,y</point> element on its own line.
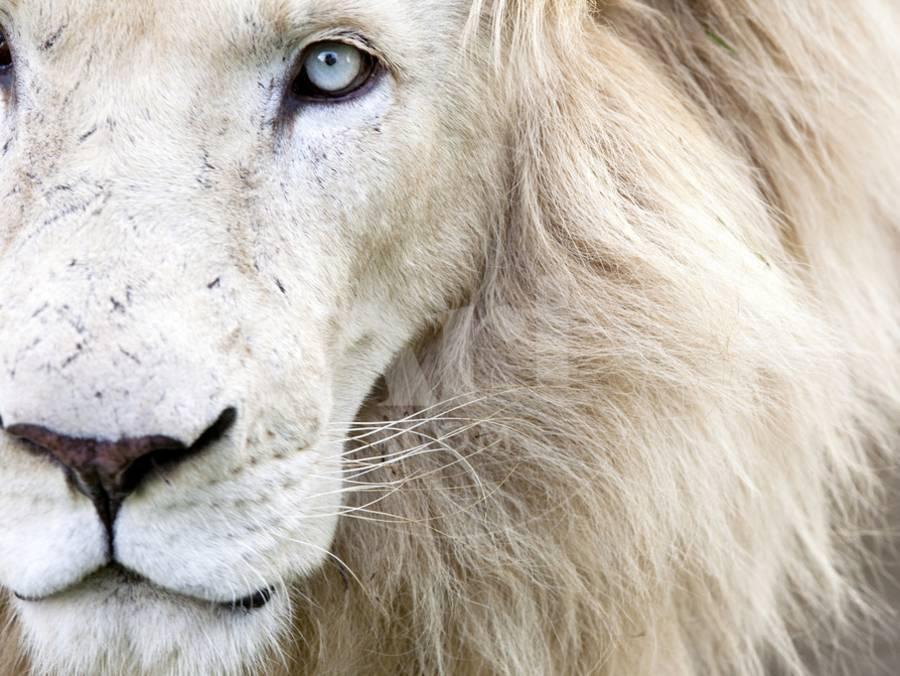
<point>221,221</point>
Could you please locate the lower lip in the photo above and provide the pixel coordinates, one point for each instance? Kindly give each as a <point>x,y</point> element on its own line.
<point>250,603</point>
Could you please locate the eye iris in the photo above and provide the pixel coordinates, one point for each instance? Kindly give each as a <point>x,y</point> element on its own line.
<point>334,68</point>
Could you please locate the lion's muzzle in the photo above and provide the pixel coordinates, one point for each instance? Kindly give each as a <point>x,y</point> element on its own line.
<point>108,472</point>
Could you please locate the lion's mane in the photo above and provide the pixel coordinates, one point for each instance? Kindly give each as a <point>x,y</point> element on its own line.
<point>647,443</point>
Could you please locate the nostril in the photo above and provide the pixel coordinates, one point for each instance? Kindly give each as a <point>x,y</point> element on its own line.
<point>109,471</point>
<point>216,431</point>
<point>131,477</point>
<point>168,456</point>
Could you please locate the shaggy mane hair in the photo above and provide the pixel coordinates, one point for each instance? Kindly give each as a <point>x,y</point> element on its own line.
<point>649,442</point>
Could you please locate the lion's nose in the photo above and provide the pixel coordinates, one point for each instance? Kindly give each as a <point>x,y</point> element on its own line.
<point>107,472</point>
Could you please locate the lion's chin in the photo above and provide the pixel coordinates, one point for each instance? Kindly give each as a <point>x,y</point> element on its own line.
<point>114,623</point>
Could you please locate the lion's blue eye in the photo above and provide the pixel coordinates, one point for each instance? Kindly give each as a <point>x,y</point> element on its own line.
<point>333,70</point>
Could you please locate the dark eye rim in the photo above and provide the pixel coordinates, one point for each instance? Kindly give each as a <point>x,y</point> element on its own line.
<point>7,61</point>
<point>301,89</point>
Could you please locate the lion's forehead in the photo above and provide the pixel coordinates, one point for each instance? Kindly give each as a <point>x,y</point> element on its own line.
<point>166,31</point>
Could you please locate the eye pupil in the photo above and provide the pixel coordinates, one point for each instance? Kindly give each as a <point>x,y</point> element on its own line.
<point>330,58</point>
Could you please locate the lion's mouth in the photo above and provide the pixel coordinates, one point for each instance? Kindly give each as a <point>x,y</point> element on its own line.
<point>253,602</point>
<point>129,579</point>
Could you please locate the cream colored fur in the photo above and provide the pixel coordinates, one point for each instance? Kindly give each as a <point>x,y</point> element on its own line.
<point>625,278</point>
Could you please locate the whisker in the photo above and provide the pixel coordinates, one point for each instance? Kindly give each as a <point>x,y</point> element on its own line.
<point>329,554</point>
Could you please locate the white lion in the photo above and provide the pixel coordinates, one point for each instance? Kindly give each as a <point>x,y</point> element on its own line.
<point>443,336</point>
